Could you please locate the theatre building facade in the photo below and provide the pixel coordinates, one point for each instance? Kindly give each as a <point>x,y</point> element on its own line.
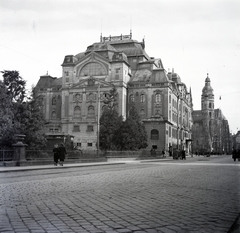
<point>73,103</point>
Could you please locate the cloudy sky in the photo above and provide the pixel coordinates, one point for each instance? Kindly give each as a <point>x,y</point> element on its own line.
<point>195,37</point>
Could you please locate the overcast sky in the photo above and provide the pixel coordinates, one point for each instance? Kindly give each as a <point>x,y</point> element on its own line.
<point>195,37</point>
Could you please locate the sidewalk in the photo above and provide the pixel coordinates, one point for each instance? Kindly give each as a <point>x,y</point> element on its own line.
<point>46,167</point>
<point>109,162</point>
<point>73,165</point>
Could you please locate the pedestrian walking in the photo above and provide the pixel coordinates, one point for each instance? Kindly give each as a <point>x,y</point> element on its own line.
<point>183,154</point>
<point>62,153</point>
<point>234,154</point>
<point>55,154</point>
<point>163,153</point>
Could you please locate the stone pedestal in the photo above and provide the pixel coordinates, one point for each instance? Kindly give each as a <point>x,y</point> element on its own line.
<point>19,154</point>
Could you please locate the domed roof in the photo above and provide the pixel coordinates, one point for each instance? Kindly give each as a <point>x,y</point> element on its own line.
<point>207,89</point>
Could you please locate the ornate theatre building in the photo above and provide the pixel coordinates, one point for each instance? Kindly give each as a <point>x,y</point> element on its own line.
<point>73,103</point>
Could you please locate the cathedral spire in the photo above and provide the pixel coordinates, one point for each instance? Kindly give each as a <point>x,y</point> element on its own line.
<point>208,98</point>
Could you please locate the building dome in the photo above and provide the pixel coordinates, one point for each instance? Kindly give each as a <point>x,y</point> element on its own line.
<point>207,89</point>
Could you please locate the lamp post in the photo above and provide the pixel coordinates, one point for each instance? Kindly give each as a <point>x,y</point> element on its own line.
<point>98,118</point>
<point>177,121</point>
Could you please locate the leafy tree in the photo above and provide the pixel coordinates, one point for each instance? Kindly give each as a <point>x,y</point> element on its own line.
<point>7,128</point>
<point>141,139</point>
<point>132,134</point>
<point>19,114</point>
<point>34,122</point>
<point>109,121</point>
<point>116,134</point>
<point>109,125</point>
<point>124,139</point>
<point>15,85</point>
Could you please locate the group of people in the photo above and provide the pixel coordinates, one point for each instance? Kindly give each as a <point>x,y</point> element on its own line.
<point>59,153</point>
<point>236,154</point>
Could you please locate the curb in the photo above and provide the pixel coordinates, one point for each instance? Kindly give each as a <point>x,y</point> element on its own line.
<point>48,167</point>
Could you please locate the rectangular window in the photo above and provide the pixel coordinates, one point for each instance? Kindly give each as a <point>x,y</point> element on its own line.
<point>53,130</point>
<point>89,128</point>
<point>89,144</point>
<point>76,128</point>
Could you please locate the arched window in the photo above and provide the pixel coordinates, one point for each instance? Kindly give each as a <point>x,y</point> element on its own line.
<point>54,101</point>
<point>93,68</point>
<point>210,105</point>
<point>131,98</point>
<point>158,98</point>
<point>54,116</point>
<point>154,134</point>
<point>142,112</point>
<point>77,111</point>
<point>91,112</point>
<point>142,98</point>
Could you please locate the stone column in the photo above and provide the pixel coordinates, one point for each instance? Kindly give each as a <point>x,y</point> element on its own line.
<point>19,154</point>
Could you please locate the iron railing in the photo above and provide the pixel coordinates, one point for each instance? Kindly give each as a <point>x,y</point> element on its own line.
<point>6,155</point>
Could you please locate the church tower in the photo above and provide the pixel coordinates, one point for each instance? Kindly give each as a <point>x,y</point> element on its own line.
<point>208,114</point>
<point>208,99</point>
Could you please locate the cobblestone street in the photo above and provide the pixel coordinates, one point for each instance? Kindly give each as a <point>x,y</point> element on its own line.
<point>174,196</point>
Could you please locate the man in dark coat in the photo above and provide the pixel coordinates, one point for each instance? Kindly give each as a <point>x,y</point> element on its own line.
<point>183,154</point>
<point>62,153</point>
<point>234,154</point>
<point>55,154</point>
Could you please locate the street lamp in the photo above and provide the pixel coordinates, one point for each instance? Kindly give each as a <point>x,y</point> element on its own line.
<point>98,118</point>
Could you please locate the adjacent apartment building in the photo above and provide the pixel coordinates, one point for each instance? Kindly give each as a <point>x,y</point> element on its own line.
<point>73,103</point>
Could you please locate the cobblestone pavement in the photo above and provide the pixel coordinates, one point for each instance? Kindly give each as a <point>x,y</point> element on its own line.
<point>179,196</point>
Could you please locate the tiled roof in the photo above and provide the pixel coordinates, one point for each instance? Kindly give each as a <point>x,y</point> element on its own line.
<point>155,76</point>
<point>47,81</point>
